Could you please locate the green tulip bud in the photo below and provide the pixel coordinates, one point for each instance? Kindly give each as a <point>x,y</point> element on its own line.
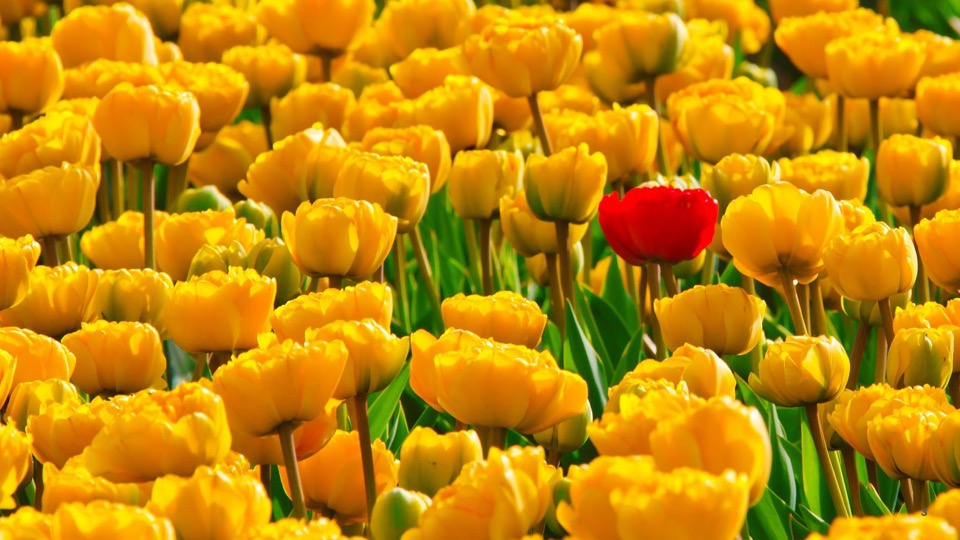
<point>395,512</point>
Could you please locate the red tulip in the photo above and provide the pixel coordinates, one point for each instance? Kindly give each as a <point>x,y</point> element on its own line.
<point>658,224</point>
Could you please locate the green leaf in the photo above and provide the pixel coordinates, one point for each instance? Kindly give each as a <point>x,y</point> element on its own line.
<point>613,332</point>
<point>179,364</point>
<point>579,357</point>
<point>870,500</point>
<point>399,432</point>
<point>812,474</point>
<point>768,518</point>
<point>593,332</point>
<point>381,411</point>
<point>813,522</point>
<point>616,294</point>
<point>631,356</point>
<point>281,503</point>
<point>782,474</point>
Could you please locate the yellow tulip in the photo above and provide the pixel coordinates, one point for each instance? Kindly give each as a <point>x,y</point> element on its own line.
<point>419,143</point>
<point>117,32</point>
<point>367,300</point>
<point>567,436</point>
<point>429,461</point>
<point>396,512</point>
<point>220,311</point>
<point>897,116</point>
<point>935,98</point>
<point>804,39</point>
<point>219,90</point>
<point>723,319</point>
<point>842,174</point>
<point>941,453</point>
<point>372,49</point>
<point>367,236</point>
<point>505,317</point>
<point>15,463</point>
<point>160,433</point>
<point>308,439</point>
<point>59,141</point>
<point>27,519</point>
<point>34,397</point>
<point>282,177</point>
<point>103,519</point>
<point>231,505</point>
<point>121,357</point>
<point>874,65</point>
<point>462,109</point>
<point>8,368</point>
<point>74,484</point>
<point>209,30</point>
<point>293,22</point>
<point>18,257</point>
<point>608,82</point>
<point>118,244</point>
<point>898,442</point>
<point>37,357</point>
<point>134,295</point>
<point>148,122</point>
<point>928,315</point>
<point>942,53</point>
<point>358,77</point>
<point>527,234</point>
<point>888,253</point>
<point>946,506</point>
<point>224,163</point>
<point>96,79</point>
<point>375,355</point>
<point>736,175</point>
<point>912,171</point>
<point>318,527</point>
<point>302,107</point>
<point>400,185</point>
<point>63,430</point>
<point>706,56</point>
<point>705,374</point>
<point>746,20</point>
<point>643,45</point>
<point>523,57</point>
<point>722,434</point>
<point>409,25</point>
<point>180,237</point>
<point>28,209</point>
<point>785,8</point>
<point>920,356</point>
<point>932,236</point>
<point>811,120</point>
<point>480,178</point>
<point>425,348</point>
<point>333,478</point>
<point>425,69</point>
<point>588,18</point>
<point>627,137</point>
<point>566,186</point>
<point>801,370</point>
<point>271,70</point>
<point>60,299</point>
<point>31,77</point>
<point>891,526</point>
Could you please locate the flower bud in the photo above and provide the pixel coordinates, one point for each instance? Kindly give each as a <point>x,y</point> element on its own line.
<point>567,436</point>
<point>912,171</point>
<point>737,175</point>
<point>271,258</point>
<point>429,461</point>
<point>801,370</point>
<point>221,258</point>
<point>200,199</point>
<point>395,512</point>
<point>920,356</point>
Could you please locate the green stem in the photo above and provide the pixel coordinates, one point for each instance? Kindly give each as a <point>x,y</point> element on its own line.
<point>176,184</point>
<point>473,251</point>
<point>400,280</point>
<point>818,315</point>
<point>65,247</point>
<point>856,357</point>
<point>709,262</point>
<point>566,272</point>
<point>326,65</point>
<point>426,273</point>
<point>880,370</point>
<point>116,188</point>
<point>103,195</point>
<point>362,424</point>
<point>266,118</point>
<point>876,134</point>
<point>491,437</point>
<point>653,282</point>
<point>587,243</point>
<point>650,85</point>
<point>842,142</point>
<point>37,484</point>
<point>803,293</point>
<point>872,475</point>
<point>923,286</point>
<point>556,294</point>
<point>670,280</point>
<point>793,303</point>
<point>285,432</point>
<point>266,477</point>
<point>886,315</point>
<point>200,364</point>
<point>853,479</point>
<point>132,190</point>
<point>830,475</point>
<point>924,498</point>
<point>756,353</point>
<point>485,258</point>
<point>149,205</point>
<point>539,126</point>
<point>51,256</point>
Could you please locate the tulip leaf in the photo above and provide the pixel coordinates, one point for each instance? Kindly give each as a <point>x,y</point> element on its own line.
<point>281,503</point>
<point>590,324</point>
<point>386,402</point>
<point>616,294</point>
<point>630,358</point>
<point>798,531</point>
<point>813,522</point>
<point>399,430</point>
<point>613,332</point>
<point>768,518</point>
<point>870,500</point>
<point>782,474</point>
<point>179,364</point>
<point>579,357</point>
<point>815,490</point>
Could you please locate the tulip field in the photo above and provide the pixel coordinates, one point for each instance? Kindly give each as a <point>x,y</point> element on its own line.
<point>444,269</point>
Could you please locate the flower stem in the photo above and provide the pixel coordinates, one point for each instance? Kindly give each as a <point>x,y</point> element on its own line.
<point>200,364</point>
<point>670,280</point>
<point>853,479</point>
<point>485,258</point>
<point>876,133</point>
<point>266,118</point>
<point>923,498</point>
<point>909,497</point>
<point>266,476</point>
<point>923,287</point>
<point>176,183</point>
<point>880,370</point>
<point>491,437</point>
<point>587,244</point>
<point>116,188</point>
<point>566,272</point>
<point>953,389</point>
<point>426,273</point>
<point>831,476</point>
<point>538,124</point>
<point>285,432</point>
<point>886,315</point>
<point>651,86</point>
<point>818,315</point>
<point>326,65</point>
<point>103,195</point>
<point>37,484</point>
<point>556,295</point>
<point>856,356</point>
<point>709,262</point>
<point>149,204</point>
<point>653,282</point>
<point>803,293</point>
<point>793,302</point>
<point>51,256</point>
<point>842,144</point>
<point>400,279</point>
<point>362,424</point>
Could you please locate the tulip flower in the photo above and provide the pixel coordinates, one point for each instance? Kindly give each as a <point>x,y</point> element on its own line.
<point>935,98</point>
<point>504,317</point>
<point>38,357</point>
<point>462,109</point>
<point>920,356</point>
<point>366,300</point>
<point>567,436</point>
<point>209,30</point>
<point>224,163</point>
<point>96,79</point>
<point>944,506</point>
<point>811,120</point>
<point>842,174</point>
<point>656,54</point>
<point>74,484</point>
<point>898,442</point>
<point>121,357</point>
<point>60,140</point>
<point>116,245</point>
<point>396,512</point>
<point>804,39</point>
<point>180,237</point>
<point>8,368</point>
<point>219,90</point>
<point>290,22</point>
<point>63,430</point>
<point>333,479</point>
<point>134,295</point>
<point>308,439</point>
<point>108,519</point>
<point>34,397</point>
<point>416,24</point>
<point>429,461</point>
<point>941,453</point>
<point>15,461</point>
<point>307,104</point>
<point>896,526</point>
<point>723,319</point>
<point>912,171</point>
<point>887,252</point>
<point>18,257</point>
<point>122,33</point>
<point>932,235</point>
<point>874,64</point>
<point>737,175</point>
<point>419,143</point>
<point>31,79</point>
<point>160,433</point>
<point>319,527</point>
<point>425,69</point>
<point>781,9</point>
<point>501,173</point>
<point>60,299</point>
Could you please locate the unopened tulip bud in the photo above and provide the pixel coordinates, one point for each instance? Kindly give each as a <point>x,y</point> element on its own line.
<point>259,215</point>
<point>920,356</point>
<point>271,258</point>
<point>211,258</point>
<point>567,436</point>
<point>200,199</point>
<point>737,175</point>
<point>429,461</point>
<point>395,512</point>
